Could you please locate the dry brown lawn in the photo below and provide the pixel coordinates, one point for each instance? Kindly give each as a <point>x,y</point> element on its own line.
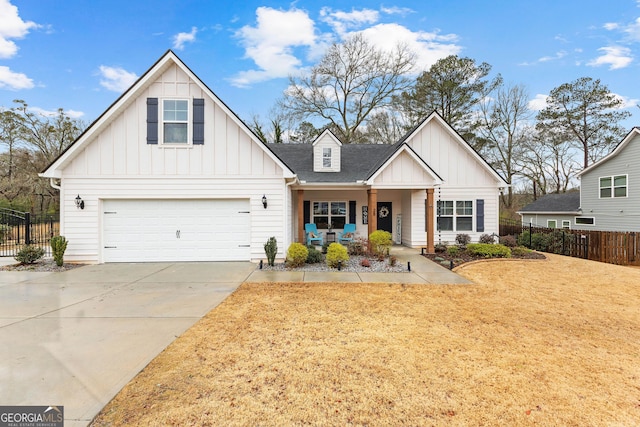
<point>554,342</point>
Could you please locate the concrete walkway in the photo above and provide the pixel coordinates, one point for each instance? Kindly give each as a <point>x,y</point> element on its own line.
<point>75,338</point>
<point>423,270</point>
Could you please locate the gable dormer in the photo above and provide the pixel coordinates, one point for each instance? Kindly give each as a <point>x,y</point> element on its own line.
<point>326,153</point>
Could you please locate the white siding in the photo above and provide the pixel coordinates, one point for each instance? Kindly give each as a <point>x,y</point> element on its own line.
<point>404,172</point>
<point>326,140</point>
<point>491,211</point>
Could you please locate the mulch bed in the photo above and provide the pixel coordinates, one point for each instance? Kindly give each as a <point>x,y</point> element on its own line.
<point>463,257</point>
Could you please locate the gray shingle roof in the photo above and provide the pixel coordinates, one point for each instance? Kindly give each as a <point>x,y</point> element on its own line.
<point>563,202</point>
<point>358,161</point>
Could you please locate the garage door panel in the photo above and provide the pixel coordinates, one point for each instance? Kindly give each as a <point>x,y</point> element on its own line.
<point>175,230</point>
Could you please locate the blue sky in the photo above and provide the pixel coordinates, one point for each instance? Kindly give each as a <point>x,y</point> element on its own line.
<point>80,55</point>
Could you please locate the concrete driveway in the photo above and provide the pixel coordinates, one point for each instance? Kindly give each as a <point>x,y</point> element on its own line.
<point>76,338</point>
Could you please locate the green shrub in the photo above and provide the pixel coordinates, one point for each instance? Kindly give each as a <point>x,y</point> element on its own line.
<point>489,250</point>
<point>463,239</point>
<point>520,251</point>
<point>336,253</point>
<point>523,238</point>
<point>453,250</point>
<point>270,250</point>
<point>315,256</point>
<point>297,255</point>
<point>29,254</point>
<point>486,238</point>
<point>58,246</point>
<point>380,242</point>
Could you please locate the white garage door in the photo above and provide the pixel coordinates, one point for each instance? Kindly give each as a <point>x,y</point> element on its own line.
<point>175,230</point>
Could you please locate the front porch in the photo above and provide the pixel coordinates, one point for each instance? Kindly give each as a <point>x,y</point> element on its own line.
<point>408,214</point>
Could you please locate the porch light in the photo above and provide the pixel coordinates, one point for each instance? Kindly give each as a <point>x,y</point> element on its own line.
<point>79,202</point>
<point>264,201</point>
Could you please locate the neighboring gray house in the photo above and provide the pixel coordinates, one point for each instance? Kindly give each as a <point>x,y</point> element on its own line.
<point>553,210</point>
<point>609,189</point>
<point>607,201</point>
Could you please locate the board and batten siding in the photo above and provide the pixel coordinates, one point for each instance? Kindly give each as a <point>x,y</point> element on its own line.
<point>613,214</point>
<point>326,140</point>
<point>404,172</point>
<point>454,163</point>
<point>83,227</point>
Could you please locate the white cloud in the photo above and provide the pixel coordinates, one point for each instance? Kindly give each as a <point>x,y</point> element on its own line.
<point>271,42</point>
<point>626,101</point>
<point>11,27</point>
<point>52,113</point>
<point>615,56</point>
<point>428,46</point>
<point>611,26</point>
<point>342,22</point>
<point>538,103</point>
<point>558,55</point>
<point>116,79</point>
<point>14,81</point>
<point>181,38</point>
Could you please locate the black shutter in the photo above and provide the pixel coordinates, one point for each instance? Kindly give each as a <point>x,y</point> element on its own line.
<point>479,215</point>
<point>152,120</point>
<point>352,211</point>
<point>307,212</point>
<point>198,121</point>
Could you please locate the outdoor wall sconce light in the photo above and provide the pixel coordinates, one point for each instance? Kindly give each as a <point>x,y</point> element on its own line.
<point>264,201</point>
<point>79,202</point>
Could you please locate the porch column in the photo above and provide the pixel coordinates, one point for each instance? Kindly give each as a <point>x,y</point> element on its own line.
<point>372,202</point>
<point>430,221</point>
<point>300,216</point>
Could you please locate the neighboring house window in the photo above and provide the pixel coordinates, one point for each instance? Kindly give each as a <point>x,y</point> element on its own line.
<point>584,220</point>
<point>566,224</point>
<point>613,186</point>
<point>551,223</point>
<point>458,214</point>
<point>175,121</point>
<point>326,157</point>
<point>329,213</point>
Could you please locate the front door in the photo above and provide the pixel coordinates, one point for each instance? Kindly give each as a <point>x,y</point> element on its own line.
<point>385,219</point>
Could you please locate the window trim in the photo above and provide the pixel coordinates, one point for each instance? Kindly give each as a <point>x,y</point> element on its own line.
<point>613,186</point>
<point>327,155</point>
<point>329,215</point>
<point>554,221</point>
<point>188,122</point>
<point>454,215</point>
<point>592,218</point>
<point>566,224</point>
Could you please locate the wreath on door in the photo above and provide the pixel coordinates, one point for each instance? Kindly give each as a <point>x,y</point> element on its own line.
<point>383,212</point>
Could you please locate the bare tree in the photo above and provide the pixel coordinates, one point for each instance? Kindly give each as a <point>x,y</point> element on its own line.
<point>588,113</point>
<point>351,81</point>
<point>504,125</point>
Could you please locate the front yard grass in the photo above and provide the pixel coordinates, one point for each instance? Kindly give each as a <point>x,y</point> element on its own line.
<point>544,342</point>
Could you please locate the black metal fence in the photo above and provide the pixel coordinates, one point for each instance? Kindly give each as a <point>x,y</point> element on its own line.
<point>613,247</point>
<point>18,229</point>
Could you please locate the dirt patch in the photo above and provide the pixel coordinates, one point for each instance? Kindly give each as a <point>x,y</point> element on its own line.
<point>551,342</point>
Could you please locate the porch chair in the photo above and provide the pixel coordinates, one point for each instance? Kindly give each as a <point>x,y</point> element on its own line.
<point>348,233</point>
<point>313,235</point>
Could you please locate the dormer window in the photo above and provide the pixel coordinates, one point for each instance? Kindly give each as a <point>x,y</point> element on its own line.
<point>175,121</point>
<point>326,157</point>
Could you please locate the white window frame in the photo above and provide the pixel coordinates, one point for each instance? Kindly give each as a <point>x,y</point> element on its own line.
<point>452,210</point>
<point>566,224</point>
<point>612,188</point>
<point>326,158</point>
<point>330,215</point>
<point>552,221</point>
<point>189,140</point>
<point>593,220</point>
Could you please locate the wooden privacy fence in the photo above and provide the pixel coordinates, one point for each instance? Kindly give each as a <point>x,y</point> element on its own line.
<point>613,247</point>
